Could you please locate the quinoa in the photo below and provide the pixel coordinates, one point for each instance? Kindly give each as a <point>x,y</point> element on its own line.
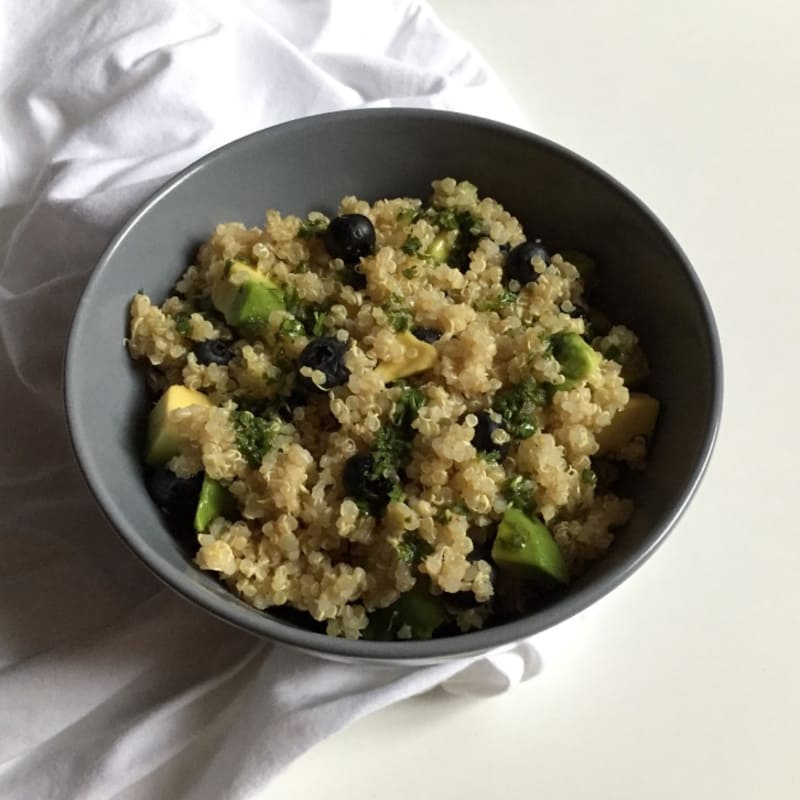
<point>403,415</point>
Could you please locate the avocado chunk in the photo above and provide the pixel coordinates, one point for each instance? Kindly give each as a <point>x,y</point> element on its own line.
<point>417,608</point>
<point>417,357</point>
<point>576,357</point>
<point>215,501</point>
<point>245,296</point>
<point>163,440</point>
<point>638,418</point>
<point>441,246</point>
<point>525,548</point>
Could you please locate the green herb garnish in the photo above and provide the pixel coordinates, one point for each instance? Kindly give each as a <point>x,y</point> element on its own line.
<point>291,327</point>
<point>411,245</point>
<point>310,315</point>
<point>407,215</point>
<point>363,506</point>
<point>397,494</point>
<point>397,313</point>
<point>391,451</point>
<point>183,322</point>
<point>254,435</point>
<point>517,406</point>
<point>412,549</point>
<point>318,325</point>
<point>518,492</point>
<point>589,476</point>
<point>310,228</point>
<point>501,300</point>
<point>407,405</point>
<point>445,512</point>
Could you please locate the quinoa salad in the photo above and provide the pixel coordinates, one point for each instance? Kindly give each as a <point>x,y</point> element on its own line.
<point>404,421</point>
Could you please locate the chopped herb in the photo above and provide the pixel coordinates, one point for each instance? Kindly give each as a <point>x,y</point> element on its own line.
<point>183,322</point>
<point>470,230</point>
<point>254,435</point>
<point>397,313</point>
<point>412,549</point>
<point>411,246</point>
<point>407,405</point>
<point>518,492</point>
<point>492,456</point>
<point>500,301</point>
<point>410,272</point>
<point>228,265</point>
<point>407,215</point>
<point>517,406</point>
<point>391,451</point>
<point>613,353</point>
<point>291,327</point>
<point>397,494</point>
<point>310,315</point>
<point>446,219</point>
<point>318,326</point>
<point>445,512</point>
<point>310,228</point>
<point>363,506</point>
<point>589,476</point>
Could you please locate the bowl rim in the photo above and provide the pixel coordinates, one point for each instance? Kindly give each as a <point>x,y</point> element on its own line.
<point>461,645</point>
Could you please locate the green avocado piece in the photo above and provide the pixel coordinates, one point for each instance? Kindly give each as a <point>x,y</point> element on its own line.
<point>246,297</point>
<point>638,418</point>
<point>163,440</point>
<point>422,611</point>
<point>440,247</point>
<point>576,357</point>
<point>525,548</point>
<point>214,501</point>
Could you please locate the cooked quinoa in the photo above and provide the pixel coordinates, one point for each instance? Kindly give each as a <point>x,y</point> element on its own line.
<point>369,428</point>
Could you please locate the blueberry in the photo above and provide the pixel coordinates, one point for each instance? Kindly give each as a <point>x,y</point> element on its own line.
<point>350,237</point>
<point>176,496</point>
<point>327,355</point>
<point>482,438</point>
<point>361,483</point>
<point>429,335</point>
<point>518,262</point>
<point>213,351</point>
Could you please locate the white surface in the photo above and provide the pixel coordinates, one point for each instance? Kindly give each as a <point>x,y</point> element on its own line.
<point>683,682</point>
<point>110,684</point>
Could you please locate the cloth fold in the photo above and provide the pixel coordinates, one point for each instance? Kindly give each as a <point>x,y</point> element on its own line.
<point>111,685</point>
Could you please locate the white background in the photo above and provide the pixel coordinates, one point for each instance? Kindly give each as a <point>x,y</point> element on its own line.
<point>684,682</point>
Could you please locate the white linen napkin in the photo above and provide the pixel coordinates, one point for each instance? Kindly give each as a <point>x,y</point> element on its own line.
<point>111,685</point>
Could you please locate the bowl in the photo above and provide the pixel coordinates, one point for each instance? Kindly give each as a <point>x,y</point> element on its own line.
<point>646,283</point>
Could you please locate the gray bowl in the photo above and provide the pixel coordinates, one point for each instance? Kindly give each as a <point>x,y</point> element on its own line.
<point>646,283</point>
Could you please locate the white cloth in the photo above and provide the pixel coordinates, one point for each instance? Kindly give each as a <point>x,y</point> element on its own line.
<point>111,685</point>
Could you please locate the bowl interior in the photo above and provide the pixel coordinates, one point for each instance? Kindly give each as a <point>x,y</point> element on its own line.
<point>309,164</point>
